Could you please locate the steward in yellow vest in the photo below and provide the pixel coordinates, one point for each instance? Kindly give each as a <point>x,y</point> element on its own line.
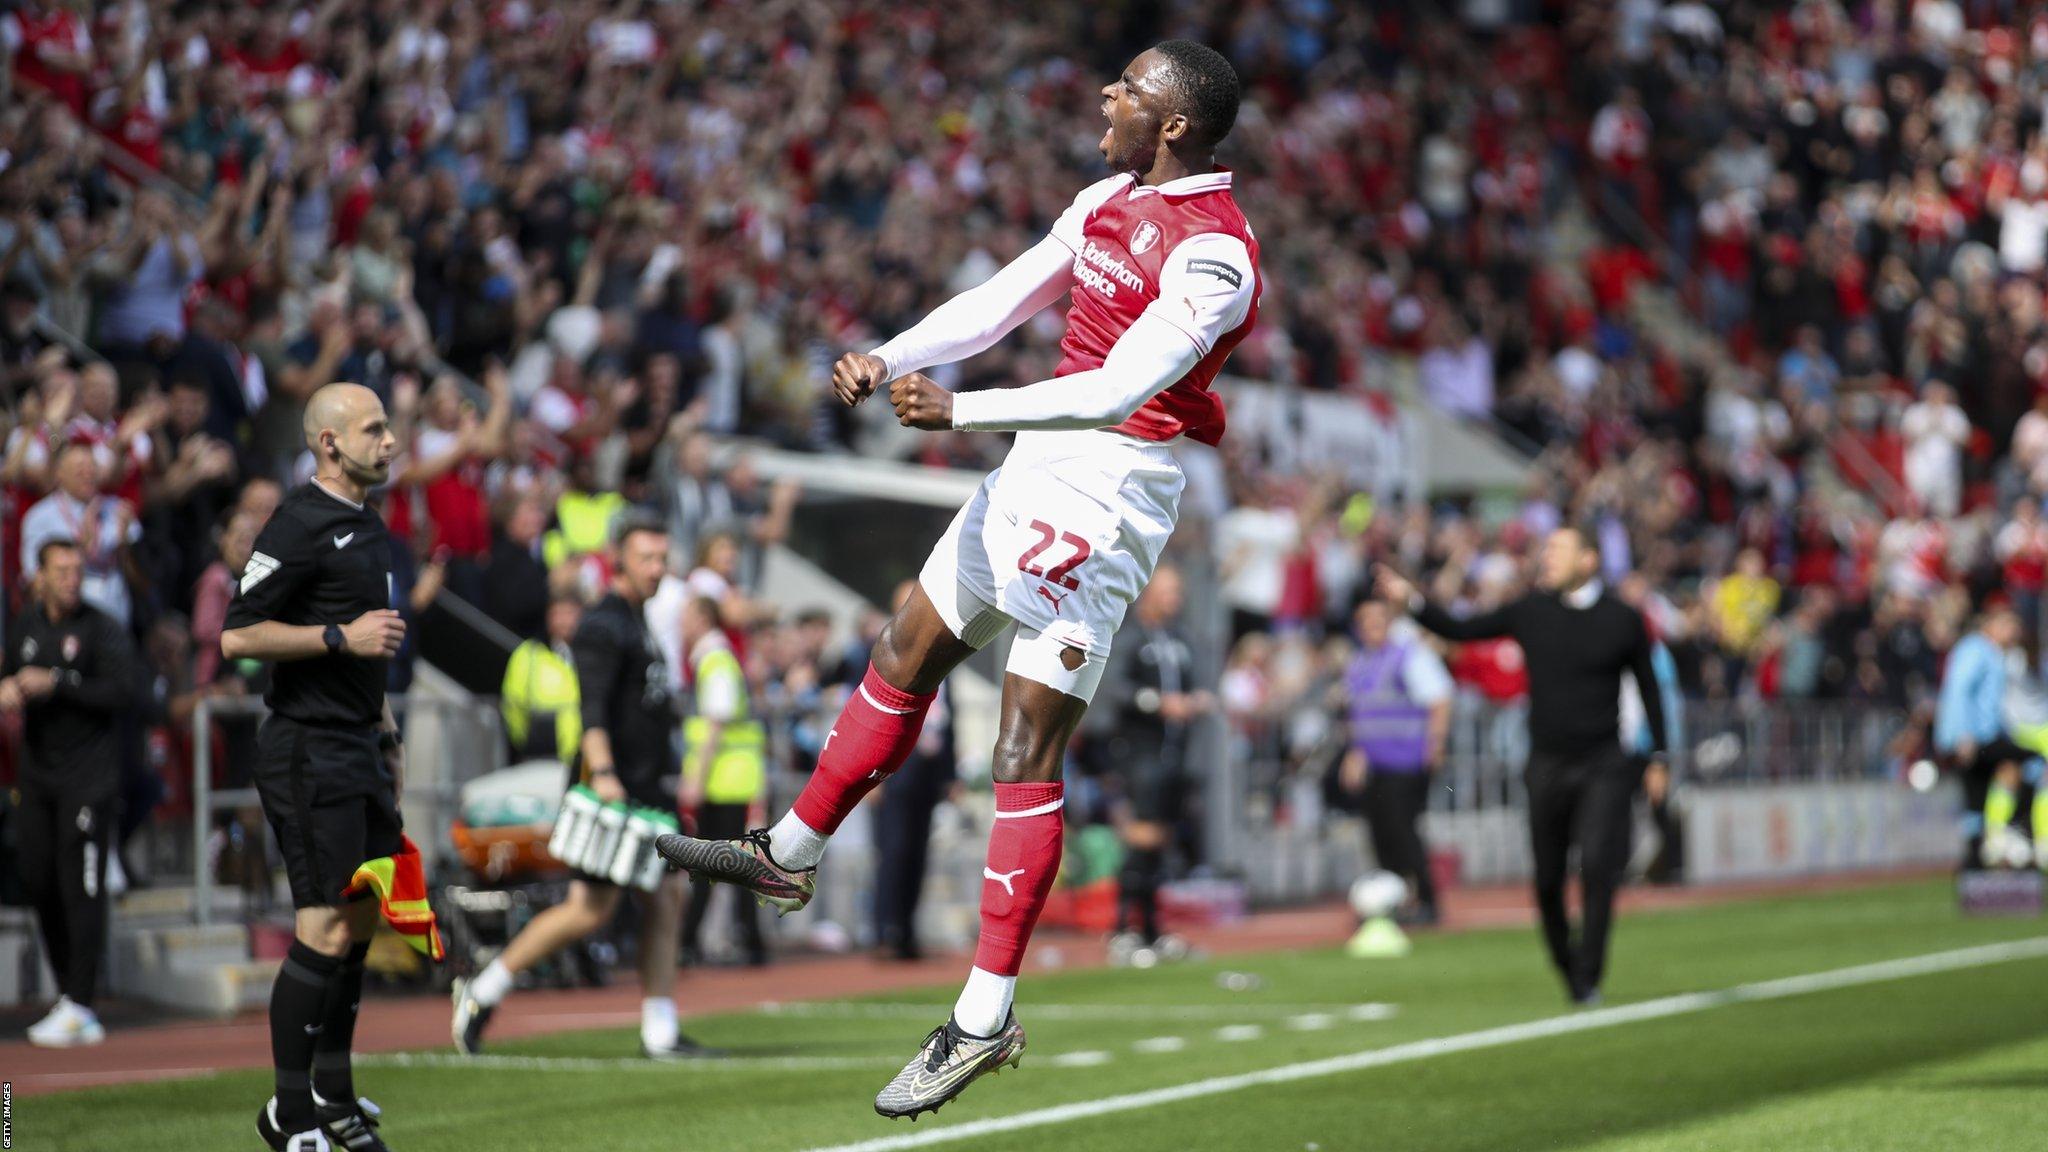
<point>540,697</point>
<point>725,750</point>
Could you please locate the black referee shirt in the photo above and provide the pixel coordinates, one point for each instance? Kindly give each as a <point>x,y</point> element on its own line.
<point>72,736</point>
<point>320,560</point>
<point>624,683</point>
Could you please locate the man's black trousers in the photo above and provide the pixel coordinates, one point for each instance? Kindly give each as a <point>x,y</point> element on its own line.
<point>723,822</point>
<point>903,832</point>
<point>1393,803</point>
<point>63,841</point>
<point>1584,801</point>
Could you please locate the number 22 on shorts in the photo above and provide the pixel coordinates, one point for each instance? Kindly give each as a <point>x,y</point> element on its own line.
<point>1061,573</point>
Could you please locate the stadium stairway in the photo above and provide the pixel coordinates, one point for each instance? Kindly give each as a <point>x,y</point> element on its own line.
<point>1860,464</point>
<point>158,954</point>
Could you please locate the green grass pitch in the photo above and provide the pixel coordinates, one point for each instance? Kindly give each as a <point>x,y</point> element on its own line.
<point>1952,1059</point>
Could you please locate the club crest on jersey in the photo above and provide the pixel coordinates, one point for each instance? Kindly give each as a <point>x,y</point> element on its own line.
<point>70,649</point>
<point>1144,237</point>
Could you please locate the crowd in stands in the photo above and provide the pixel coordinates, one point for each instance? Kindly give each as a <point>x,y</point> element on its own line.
<point>574,245</point>
<point>1849,201</point>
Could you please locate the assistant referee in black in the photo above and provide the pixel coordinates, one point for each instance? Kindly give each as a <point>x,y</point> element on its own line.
<point>1577,639</point>
<point>316,598</point>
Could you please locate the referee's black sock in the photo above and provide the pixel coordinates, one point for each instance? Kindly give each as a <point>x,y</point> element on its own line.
<point>297,1003</point>
<point>333,1079</point>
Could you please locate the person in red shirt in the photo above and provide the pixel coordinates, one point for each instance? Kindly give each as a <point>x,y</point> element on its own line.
<point>51,51</point>
<point>448,461</point>
<point>131,113</point>
<point>2022,550</point>
<point>265,58</point>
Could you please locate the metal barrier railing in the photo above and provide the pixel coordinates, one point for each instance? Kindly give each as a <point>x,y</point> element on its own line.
<point>1724,743</point>
<point>448,742</point>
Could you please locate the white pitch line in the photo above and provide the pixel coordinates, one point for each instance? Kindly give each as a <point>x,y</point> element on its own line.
<point>1311,1021</point>
<point>1599,1018</point>
<point>1159,1044</point>
<point>114,1077</point>
<point>1086,1058</point>
<point>1233,1033</point>
<point>1026,1010</point>
<point>620,1064</point>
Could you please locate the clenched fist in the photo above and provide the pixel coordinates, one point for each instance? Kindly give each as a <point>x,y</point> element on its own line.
<point>921,403</point>
<point>856,376</point>
<point>376,633</point>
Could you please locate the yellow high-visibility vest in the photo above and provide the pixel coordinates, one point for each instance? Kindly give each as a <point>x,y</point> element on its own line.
<point>583,524</point>
<point>739,770</point>
<point>539,682</point>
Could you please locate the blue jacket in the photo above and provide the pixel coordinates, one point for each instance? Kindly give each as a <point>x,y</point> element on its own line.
<point>1972,694</point>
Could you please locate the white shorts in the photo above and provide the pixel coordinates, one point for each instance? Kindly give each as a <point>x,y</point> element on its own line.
<point>1059,540</point>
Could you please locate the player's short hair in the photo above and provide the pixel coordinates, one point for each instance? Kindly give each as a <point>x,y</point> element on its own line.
<point>1206,88</point>
<point>635,523</point>
<point>1587,532</point>
<point>708,608</point>
<point>55,544</point>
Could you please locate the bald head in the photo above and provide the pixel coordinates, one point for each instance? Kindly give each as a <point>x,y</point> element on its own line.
<point>350,437</point>
<point>334,408</point>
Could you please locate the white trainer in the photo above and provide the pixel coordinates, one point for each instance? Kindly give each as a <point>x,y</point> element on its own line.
<point>69,1025</point>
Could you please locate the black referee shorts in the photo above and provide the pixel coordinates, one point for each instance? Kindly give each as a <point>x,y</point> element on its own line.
<point>330,801</point>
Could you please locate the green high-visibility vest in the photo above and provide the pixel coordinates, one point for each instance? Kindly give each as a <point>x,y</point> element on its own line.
<point>739,769</point>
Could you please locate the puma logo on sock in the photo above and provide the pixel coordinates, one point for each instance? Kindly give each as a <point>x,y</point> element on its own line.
<point>1006,879</point>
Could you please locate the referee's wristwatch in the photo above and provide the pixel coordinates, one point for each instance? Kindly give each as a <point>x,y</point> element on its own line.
<point>334,639</point>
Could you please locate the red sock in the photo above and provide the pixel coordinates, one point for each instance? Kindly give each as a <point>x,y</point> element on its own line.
<point>874,734</point>
<point>1023,859</point>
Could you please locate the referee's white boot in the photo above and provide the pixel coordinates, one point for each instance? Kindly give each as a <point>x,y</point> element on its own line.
<point>69,1025</point>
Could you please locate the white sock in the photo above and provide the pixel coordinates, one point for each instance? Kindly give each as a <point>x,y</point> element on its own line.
<point>795,844</point>
<point>658,1022</point>
<point>491,984</point>
<point>984,1003</point>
